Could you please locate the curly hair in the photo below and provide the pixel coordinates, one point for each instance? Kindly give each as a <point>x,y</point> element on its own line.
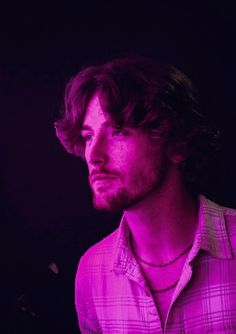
<point>142,93</point>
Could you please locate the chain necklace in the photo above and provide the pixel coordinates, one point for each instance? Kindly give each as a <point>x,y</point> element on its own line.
<point>165,289</point>
<point>162,264</point>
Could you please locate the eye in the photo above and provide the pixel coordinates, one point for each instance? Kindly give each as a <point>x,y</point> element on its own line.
<point>86,137</point>
<point>119,132</point>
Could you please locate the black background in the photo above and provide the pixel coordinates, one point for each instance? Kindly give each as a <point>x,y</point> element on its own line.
<point>46,211</point>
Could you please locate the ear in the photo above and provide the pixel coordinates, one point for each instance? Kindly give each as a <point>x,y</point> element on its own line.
<point>177,152</point>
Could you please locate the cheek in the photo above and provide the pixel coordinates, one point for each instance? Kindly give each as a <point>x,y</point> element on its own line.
<point>120,156</point>
<point>144,166</point>
<point>132,166</point>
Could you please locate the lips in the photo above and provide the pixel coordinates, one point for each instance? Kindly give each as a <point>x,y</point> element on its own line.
<point>100,177</point>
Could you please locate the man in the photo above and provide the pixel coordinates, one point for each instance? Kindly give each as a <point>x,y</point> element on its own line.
<point>170,266</point>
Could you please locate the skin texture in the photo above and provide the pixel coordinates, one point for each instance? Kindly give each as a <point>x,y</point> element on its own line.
<point>128,172</point>
<point>127,164</point>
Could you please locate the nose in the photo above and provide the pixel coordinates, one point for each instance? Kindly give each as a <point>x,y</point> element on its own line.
<point>97,152</point>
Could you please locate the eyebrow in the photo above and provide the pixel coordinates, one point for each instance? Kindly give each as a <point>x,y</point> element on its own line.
<point>85,127</point>
<point>88,127</point>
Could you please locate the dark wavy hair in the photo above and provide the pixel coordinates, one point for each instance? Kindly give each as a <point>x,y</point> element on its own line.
<point>140,92</point>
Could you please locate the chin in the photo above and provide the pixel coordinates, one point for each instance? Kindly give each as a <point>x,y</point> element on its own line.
<point>116,203</point>
<point>110,206</point>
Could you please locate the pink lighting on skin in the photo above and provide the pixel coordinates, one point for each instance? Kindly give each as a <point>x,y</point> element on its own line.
<point>101,177</point>
<point>124,166</point>
<point>128,172</point>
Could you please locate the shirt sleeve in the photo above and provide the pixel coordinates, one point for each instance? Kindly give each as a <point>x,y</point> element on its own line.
<point>86,311</point>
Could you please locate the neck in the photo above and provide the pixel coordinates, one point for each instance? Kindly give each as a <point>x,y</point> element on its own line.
<point>163,224</point>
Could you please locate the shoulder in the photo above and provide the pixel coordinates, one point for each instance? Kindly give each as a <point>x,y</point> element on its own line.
<point>230,219</point>
<point>226,215</point>
<point>229,212</point>
<point>217,209</point>
<point>98,257</point>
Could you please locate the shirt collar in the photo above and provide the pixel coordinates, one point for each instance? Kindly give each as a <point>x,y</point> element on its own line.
<point>211,236</point>
<point>121,254</point>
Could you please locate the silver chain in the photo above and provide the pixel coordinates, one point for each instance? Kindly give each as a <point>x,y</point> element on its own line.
<point>162,264</point>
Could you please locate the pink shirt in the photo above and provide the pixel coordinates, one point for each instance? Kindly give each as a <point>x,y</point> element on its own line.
<point>112,296</point>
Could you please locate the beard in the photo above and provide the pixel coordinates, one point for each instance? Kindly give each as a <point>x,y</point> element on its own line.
<point>116,200</point>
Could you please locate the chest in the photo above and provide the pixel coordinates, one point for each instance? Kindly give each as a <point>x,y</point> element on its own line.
<point>162,283</point>
<point>206,304</point>
<point>162,302</point>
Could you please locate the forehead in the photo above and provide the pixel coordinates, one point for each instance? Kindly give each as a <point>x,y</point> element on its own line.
<point>95,116</point>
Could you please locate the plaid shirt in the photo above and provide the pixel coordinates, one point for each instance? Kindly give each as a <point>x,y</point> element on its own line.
<point>112,295</point>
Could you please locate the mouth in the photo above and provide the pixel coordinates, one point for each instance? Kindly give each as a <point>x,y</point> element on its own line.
<point>101,178</point>
<point>102,183</point>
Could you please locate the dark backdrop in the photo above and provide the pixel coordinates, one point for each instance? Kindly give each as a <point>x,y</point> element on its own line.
<point>45,205</point>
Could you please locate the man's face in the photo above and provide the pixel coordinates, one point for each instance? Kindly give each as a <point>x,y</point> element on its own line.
<point>124,165</point>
